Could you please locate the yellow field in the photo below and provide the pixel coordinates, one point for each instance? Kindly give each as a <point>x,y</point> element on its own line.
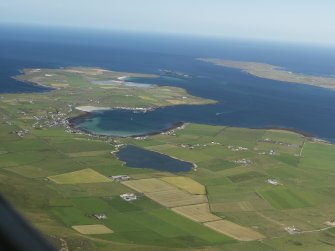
<point>148,185</point>
<point>191,206</point>
<point>186,184</point>
<point>87,154</point>
<point>176,198</point>
<point>164,193</point>
<point>199,212</point>
<point>235,231</point>
<point>82,176</point>
<point>92,229</point>
<point>59,85</point>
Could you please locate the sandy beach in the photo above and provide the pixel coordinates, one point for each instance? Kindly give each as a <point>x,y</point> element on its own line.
<point>89,108</point>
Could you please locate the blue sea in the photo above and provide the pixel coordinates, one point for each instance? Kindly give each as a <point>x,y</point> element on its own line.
<point>243,100</point>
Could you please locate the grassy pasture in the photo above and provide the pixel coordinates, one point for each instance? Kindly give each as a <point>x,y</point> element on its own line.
<point>82,176</point>
<point>284,136</point>
<point>142,221</point>
<point>234,230</point>
<point>30,171</point>
<point>201,130</point>
<point>217,164</point>
<point>247,176</point>
<point>283,198</point>
<point>87,154</point>
<point>318,156</point>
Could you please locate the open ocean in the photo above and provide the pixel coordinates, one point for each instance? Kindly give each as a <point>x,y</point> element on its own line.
<point>244,100</point>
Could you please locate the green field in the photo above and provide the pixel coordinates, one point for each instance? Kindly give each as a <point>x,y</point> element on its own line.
<point>283,198</point>
<point>77,177</point>
<point>143,222</point>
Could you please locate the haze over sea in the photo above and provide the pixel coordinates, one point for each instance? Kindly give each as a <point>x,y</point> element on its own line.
<point>244,100</point>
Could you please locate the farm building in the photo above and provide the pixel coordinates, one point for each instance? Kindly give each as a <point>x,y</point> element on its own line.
<point>100,216</point>
<point>273,182</point>
<point>128,196</point>
<point>119,177</point>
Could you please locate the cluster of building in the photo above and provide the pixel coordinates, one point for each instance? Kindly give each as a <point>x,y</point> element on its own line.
<point>175,73</point>
<point>51,119</point>
<point>141,138</point>
<point>120,177</point>
<point>271,152</point>
<point>190,146</point>
<point>268,140</point>
<point>172,132</point>
<point>273,182</point>
<point>100,216</point>
<point>237,148</point>
<point>135,109</point>
<point>21,133</point>
<point>292,230</point>
<point>243,162</point>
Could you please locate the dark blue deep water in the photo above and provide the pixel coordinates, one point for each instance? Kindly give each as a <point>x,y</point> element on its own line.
<point>243,100</point>
<point>140,158</point>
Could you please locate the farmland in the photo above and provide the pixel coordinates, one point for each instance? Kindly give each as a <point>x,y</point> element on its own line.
<point>173,211</point>
<point>164,193</point>
<point>197,212</point>
<point>234,230</point>
<point>92,229</point>
<point>82,176</point>
<point>186,184</point>
<point>60,182</point>
<point>239,192</point>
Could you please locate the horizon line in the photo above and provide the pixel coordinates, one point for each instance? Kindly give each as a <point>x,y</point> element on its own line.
<point>101,30</point>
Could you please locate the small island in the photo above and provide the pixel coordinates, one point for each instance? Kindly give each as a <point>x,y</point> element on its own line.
<point>273,72</point>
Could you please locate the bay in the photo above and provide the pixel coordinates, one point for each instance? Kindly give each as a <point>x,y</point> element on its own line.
<point>243,100</point>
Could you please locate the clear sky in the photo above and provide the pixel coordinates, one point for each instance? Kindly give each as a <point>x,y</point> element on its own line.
<point>290,20</point>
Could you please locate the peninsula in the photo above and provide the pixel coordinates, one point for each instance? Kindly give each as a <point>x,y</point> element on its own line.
<point>273,72</point>
<point>102,89</point>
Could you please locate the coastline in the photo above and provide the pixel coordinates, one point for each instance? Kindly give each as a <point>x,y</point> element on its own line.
<point>91,109</point>
<point>292,130</point>
<point>280,128</point>
<point>274,72</point>
<point>72,125</point>
<point>179,125</point>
